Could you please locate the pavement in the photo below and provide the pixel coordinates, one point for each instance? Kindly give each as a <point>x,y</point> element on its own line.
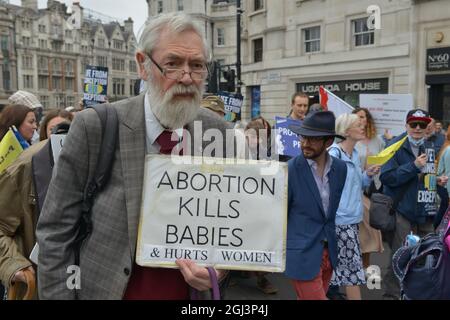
<point>245,288</point>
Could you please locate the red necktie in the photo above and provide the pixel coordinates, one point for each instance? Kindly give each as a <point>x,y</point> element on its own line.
<point>165,142</point>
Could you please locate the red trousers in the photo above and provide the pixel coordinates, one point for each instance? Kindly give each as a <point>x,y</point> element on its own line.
<point>316,289</point>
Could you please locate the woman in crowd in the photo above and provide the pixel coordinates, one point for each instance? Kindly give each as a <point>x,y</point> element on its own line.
<point>18,209</point>
<point>443,161</point>
<point>349,271</point>
<point>51,120</point>
<point>372,144</point>
<point>22,117</point>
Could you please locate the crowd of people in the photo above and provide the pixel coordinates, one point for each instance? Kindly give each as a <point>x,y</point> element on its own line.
<point>329,237</point>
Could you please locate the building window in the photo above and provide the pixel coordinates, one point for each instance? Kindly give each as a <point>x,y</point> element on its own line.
<point>56,67</point>
<point>69,68</point>
<point>258,50</point>
<point>59,101</point>
<point>312,39</point>
<point>4,42</point>
<point>42,65</point>
<point>42,28</point>
<point>56,46</point>
<point>101,43</point>
<point>43,44</point>
<point>28,82</point>
<point>26,41</point>
<point>220,36</point>
<point>27,62</point>
<point>6,77</point>
<point>180,5</point>
<point>362,35</point>
<point>70,101</point>
<point>26,24</point>
<point>118,64</point>
<point>43,82</point>
<point>44,101</point>
<point>69,47</point>
<point>259,5</point>
<point>118,87</point>
<point>84,49</point>
<point>56,83</point>
<point>68,33</point>
<point>118,44</point>
<point>133,67</point>
<point>102,61</point>
<point>160,7</point>
<point>69,84</point>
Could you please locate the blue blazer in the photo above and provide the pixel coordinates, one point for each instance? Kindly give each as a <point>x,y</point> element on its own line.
<point>307,223</point>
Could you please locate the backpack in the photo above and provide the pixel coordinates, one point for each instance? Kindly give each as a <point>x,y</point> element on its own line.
<point>424,269</point>
<point>109,124</point>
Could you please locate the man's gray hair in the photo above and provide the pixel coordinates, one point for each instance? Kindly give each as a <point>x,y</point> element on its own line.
<point>175,22</point>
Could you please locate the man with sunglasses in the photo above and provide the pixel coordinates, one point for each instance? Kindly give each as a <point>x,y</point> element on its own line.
<point>172,56</point>
<point>315,185</point>
<point>411,173</point>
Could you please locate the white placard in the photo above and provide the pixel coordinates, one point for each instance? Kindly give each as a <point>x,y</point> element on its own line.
<point>388,110</point>
<point>57,141</point>
<point>229,216</point>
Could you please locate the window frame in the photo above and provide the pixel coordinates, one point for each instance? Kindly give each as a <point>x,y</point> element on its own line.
<point>362,34</point>
<point>254,41</point>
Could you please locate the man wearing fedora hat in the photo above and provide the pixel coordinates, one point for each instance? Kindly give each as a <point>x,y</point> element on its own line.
<point>315,185</point>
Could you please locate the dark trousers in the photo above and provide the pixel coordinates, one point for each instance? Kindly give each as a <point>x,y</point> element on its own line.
<point>396,240</point>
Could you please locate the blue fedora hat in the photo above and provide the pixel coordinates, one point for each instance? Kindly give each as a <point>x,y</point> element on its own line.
<point>317,124</point>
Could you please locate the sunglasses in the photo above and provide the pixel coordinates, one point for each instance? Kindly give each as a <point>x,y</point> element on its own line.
<point>313,139</point>
<point>422,125</point>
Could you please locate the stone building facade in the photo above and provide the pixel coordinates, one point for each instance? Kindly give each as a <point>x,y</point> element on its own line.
<point>52,56</point>
<point>295,45</point>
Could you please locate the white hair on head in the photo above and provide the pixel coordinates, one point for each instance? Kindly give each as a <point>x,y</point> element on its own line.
<point>345,121</point>
<point>175,22</point>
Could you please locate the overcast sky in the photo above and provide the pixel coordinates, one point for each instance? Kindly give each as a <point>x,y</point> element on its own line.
<point>120,9</point>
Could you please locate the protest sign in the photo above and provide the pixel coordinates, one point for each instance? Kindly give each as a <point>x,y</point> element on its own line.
<point>95,85</point>
<point>10,149</point>
<point>288,143</point>
<point>223,215</point>
<point>233,104</point>
<point>388,110</point>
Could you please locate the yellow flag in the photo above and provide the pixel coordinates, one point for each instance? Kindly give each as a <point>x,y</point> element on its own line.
<point>10,149</point>
<point>385,154</point>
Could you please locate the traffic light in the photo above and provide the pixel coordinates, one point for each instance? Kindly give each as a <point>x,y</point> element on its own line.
<point>230,76</point>
<point>212,85</point>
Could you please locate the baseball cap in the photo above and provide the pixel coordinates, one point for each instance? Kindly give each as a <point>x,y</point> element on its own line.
<point>418,115</point>
<point>25,98</point>
<point>213,103</point>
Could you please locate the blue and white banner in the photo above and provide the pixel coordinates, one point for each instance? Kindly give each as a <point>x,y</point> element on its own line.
<point>288,143</point>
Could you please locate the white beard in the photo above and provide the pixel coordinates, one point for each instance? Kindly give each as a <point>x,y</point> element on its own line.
<point>174,114</point>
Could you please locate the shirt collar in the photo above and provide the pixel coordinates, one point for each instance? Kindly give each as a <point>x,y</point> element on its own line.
<point>313,164</point>
<point>152,126</point>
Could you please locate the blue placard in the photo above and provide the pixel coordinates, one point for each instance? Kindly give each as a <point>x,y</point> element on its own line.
<point>288,142</point>
<point>233,104</point>
<point>95,85</point>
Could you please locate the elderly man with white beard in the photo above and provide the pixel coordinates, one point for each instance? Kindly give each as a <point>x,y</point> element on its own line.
<point>172,57</point>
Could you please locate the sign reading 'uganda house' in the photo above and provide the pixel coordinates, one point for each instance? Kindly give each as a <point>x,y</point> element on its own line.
<point>223,215</point>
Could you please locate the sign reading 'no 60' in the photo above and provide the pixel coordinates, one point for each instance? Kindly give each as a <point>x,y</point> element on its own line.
<point>223,215</point>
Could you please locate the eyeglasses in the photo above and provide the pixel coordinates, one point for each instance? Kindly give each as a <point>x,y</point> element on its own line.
<point>422,125</point>
<point>199,71</point>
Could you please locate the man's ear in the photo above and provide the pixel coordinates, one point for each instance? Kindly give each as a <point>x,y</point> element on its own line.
<point>140,59</point>
<point>329,142</point>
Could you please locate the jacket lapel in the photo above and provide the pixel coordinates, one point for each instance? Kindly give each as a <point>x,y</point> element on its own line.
<point>311,182</point>
<point>132,153</point>
<point>333,188</point>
